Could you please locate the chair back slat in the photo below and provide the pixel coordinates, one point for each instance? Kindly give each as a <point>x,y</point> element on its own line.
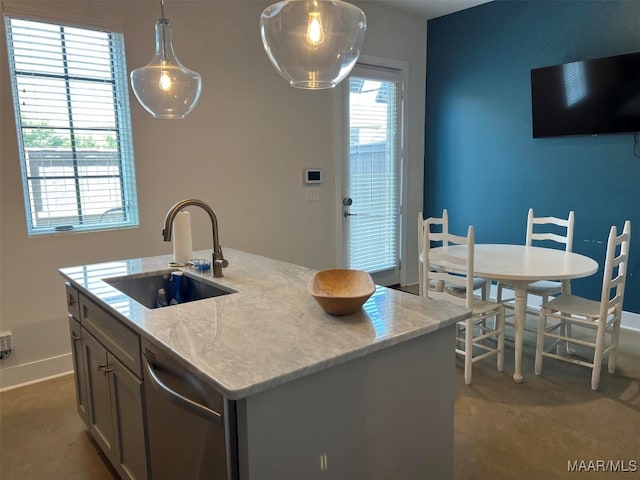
<point>450,238</point>
<point>448,259</point>
<point>535,234</point>
<point>615,269</point>
<point>615,301</point>
<point>575,310</point>
<point>434,228</point>
<point>444,272</point>
<point>554,237</point>
<point>561,222</point>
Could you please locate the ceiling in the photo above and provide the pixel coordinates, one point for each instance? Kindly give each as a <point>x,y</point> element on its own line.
<point>429,8</point>
<point>426,9</point>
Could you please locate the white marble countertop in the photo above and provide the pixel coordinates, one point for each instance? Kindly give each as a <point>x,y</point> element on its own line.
<point>271,330</point>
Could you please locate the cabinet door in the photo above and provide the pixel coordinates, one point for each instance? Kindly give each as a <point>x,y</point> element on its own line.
<point>126,397</point>
<point>79,372</point>
<point>99,400</point>
<point>73,301</point>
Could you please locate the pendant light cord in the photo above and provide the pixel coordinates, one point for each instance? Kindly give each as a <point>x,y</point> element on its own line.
<point>163,21</point>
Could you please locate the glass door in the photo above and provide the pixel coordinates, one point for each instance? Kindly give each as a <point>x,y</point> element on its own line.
<point>372,173</point>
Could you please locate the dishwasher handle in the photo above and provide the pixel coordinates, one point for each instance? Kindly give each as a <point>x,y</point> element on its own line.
<point>180,400</point>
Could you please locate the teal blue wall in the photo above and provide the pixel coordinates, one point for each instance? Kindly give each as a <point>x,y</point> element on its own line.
<point>481,162</point>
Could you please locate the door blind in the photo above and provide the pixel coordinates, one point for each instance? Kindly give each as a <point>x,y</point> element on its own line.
<point>373,179</point>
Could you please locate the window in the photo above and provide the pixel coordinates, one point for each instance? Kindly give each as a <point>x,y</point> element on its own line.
<point>72,116</point>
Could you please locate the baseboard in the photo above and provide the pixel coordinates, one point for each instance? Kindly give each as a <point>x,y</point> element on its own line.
<point>33,372</point>
<point>628,356</point>
<point>630,321</point>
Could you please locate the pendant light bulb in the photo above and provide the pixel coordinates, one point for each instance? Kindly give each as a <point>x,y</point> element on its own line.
<point>313,44</point>
<point>315,31</point>
<point>165,87</point>
<point>165,80</point>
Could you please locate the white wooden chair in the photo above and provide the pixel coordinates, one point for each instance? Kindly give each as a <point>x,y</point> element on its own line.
<point>451,278</point>
<point>602,316</point>
<point>540,231</point>
<point>438,227</point>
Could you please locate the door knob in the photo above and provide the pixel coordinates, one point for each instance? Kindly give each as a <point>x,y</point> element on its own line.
<point>347,201</point>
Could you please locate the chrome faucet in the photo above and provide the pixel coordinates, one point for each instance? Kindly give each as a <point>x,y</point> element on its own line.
<point>218,262</point>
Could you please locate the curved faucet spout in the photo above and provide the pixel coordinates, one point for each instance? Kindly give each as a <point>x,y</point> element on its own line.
<point>219,261</point>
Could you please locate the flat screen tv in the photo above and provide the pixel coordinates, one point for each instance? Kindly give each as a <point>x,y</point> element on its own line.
<point>591,97</point>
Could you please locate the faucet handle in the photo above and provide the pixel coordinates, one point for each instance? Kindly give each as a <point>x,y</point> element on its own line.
<point>223,261</point>
<point>219,262</point>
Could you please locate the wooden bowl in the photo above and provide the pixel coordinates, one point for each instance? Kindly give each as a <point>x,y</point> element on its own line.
<point>341,291</point>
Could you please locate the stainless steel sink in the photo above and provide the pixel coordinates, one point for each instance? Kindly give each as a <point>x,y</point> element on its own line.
<point>145,288</point>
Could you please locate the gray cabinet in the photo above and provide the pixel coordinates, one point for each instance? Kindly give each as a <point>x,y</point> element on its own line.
<point>387,414</point>
<point>73,306</point>
<point>109,387</point>
<point>128,416</point>
<point>101,423</point>
<point>116,418</point>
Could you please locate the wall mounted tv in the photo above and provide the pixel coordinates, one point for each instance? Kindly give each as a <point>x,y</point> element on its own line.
<point>591,97</point>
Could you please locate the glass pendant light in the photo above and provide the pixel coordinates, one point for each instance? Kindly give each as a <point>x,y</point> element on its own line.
<point>313,44</point>
<point>165,87</point>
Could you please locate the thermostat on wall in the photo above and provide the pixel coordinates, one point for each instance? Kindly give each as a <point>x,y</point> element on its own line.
<point>312,175</point>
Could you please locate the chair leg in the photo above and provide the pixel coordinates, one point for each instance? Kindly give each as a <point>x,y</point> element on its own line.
<point>542,325</point>
<point>595,376</point>
<point>562,348</point>
<point>499,292</point>
<point>484,295</point>
<point>468,351</point>
<point>486,289</point>
<point>615,336</point>
<point>568,346</point>
<point>597,355</point>
<point>500,324</point>
<point>570,349</point>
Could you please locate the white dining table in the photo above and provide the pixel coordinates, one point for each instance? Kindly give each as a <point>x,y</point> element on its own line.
<point>520,265</point>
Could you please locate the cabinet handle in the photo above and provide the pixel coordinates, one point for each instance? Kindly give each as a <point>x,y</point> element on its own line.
<point>105,369</point>
<point>74,338</point>
<point>71,301</point>
<point>180,400</point>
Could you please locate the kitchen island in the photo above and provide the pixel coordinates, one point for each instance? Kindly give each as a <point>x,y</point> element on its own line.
<point>307,395</point>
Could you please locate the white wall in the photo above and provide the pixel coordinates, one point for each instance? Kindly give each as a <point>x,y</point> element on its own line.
<point>242,150</point>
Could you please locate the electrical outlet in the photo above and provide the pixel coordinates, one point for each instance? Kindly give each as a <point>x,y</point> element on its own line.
<point>6,344</point>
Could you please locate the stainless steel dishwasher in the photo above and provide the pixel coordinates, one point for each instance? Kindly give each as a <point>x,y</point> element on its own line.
<point>191,426</point>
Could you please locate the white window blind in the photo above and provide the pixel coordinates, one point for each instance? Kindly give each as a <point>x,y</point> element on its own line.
<point>73,123</point>
<point>374,156</point>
